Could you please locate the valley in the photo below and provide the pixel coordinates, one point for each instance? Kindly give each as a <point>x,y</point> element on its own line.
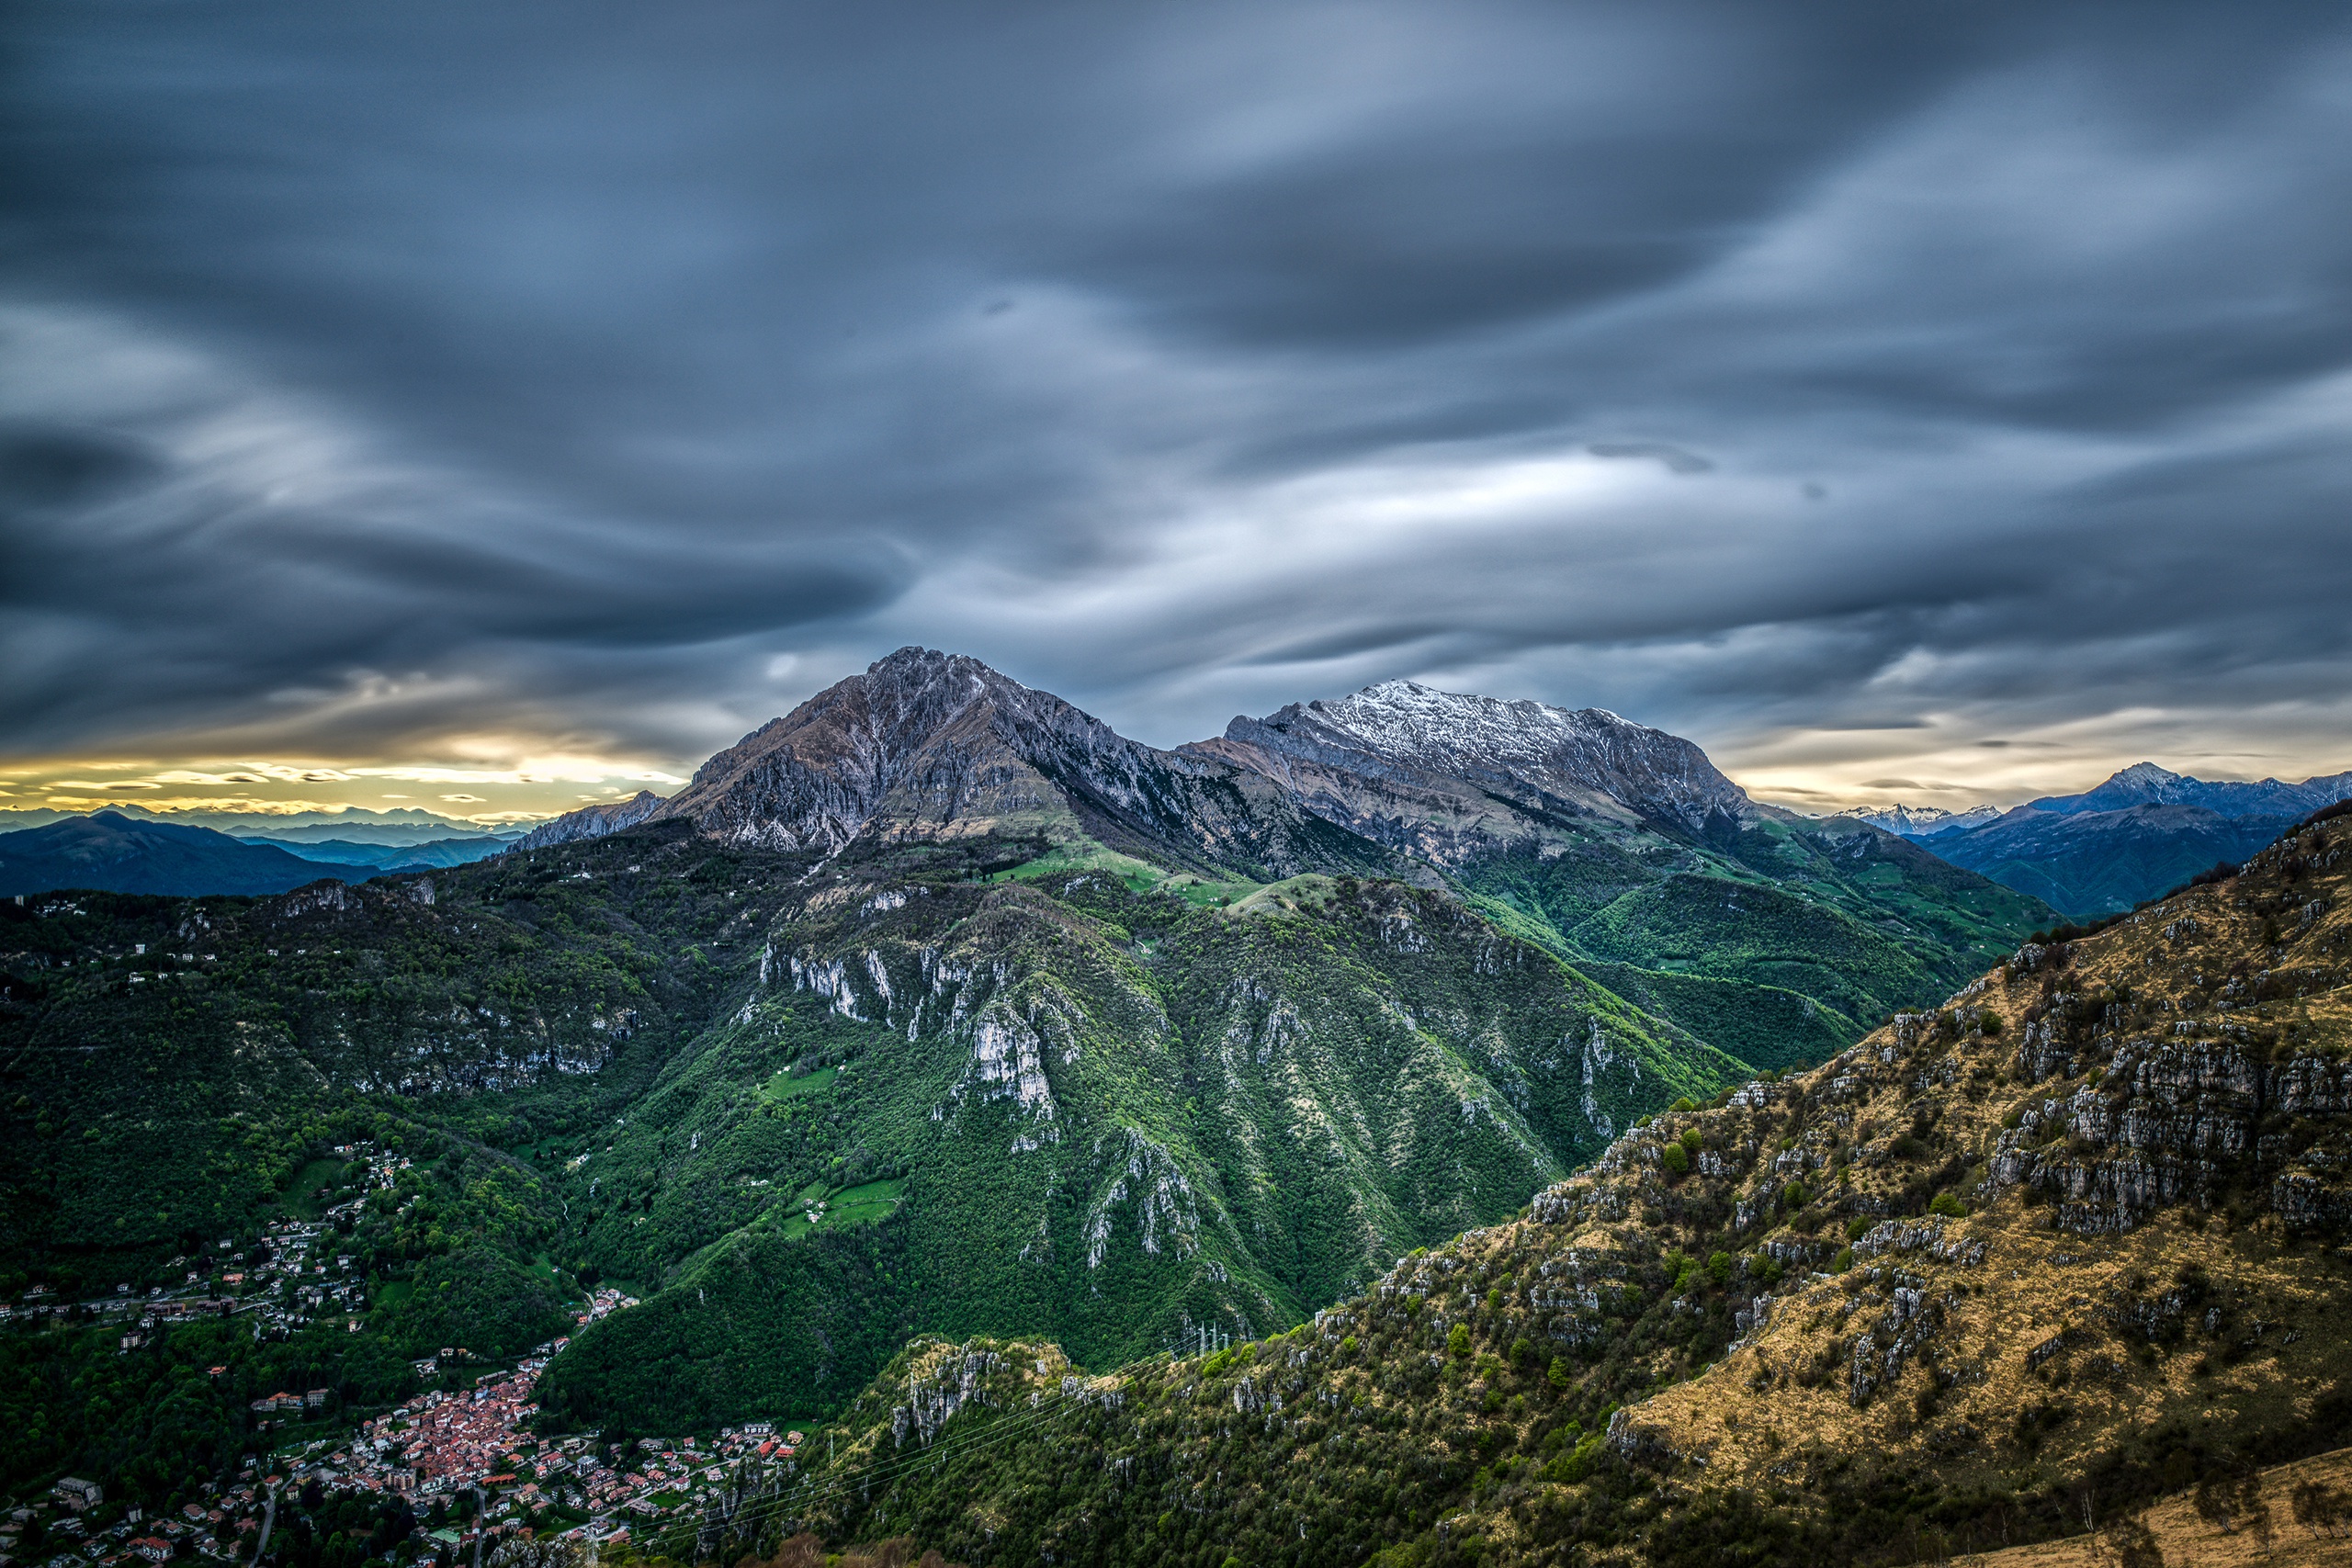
<point>2066,1245</point>
<point>933,1009</point>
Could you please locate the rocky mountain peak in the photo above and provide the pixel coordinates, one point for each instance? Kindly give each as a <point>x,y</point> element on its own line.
<point>2146,775</point>
<point>1403,727</point>
<point>927,745</point>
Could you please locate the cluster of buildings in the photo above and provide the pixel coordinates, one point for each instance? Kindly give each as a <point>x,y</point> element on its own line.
<point>603,1303</point>
<point>434,1447</point>
<point>438,1444</point>
<point>79,1531</point>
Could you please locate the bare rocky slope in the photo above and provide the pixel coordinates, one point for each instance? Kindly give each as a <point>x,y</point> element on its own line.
<point>2072,1240</point>
<point>929,745</point>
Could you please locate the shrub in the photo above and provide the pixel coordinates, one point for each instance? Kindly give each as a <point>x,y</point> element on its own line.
<point>1457,1339</point>
<point>1677,1160</point>
<point>1989,1025</point>
<point>1858,1228</point>
<point>1948,1205</point>
<point>1719,1269</point>
<point>1843,1261</point>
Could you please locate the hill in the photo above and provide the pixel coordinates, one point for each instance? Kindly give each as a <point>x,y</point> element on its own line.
<point>115,853</point>
<point>915,1092</point>
<point>423,855</point>
<point>2068,1243</point>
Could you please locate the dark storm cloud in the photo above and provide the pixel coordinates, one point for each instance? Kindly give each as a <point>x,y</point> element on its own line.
<point>369,375</point>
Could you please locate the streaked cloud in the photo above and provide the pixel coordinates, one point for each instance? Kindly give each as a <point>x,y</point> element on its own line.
<point>1957,398</point>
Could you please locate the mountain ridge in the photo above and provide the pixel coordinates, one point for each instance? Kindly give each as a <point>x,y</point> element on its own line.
<point>2065,1243</point>
<point>1607,840</point>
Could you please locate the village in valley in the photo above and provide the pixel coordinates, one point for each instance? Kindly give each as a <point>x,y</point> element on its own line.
<point>455,1466</point>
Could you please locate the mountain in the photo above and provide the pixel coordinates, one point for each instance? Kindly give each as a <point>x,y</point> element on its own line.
<point>2010,1266</point>
<point>928,746</point>
<point>592,821</point>
<point>1610,843</point>
<point>436,830</point>
<point>2141,832</point>
<point>1621,845</point>
<point>1916,822</point>
<point>387,856</point>
<point>2088,863</point>
<point>2144,784</point>
<point>936,1006</point>
<point>112,852</point>
<point>1444,747</point>
<point>400,824</point>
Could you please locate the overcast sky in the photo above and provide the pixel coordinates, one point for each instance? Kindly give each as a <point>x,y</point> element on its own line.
<point>1934,402</point>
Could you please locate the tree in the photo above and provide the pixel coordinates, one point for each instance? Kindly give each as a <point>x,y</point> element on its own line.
<point>2133,1544</point>
<point>2234,1502</point>
<point>1457,1339</point>
<point>2318,1507</point>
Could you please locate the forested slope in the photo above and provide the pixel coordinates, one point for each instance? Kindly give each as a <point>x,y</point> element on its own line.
<point>2071,1239</point>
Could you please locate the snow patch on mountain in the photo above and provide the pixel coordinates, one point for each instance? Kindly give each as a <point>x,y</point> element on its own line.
<point>1521,744</point>
<point>1923,821</point>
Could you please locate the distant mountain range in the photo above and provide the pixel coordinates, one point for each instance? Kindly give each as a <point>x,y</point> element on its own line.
<point>2144,784</point>
<point>1916,822</point>
<point>357,824</point>
<point>2143,832</point>
<point>111,851</point>
<point>387,857</point>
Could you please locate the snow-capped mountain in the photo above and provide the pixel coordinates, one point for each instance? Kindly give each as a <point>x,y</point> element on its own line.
<point>2143,832</point>
<point>1916,822</point>
<point>1569,754</point>
<point>1448,778</point>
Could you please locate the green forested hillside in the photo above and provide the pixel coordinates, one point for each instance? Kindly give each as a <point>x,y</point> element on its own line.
<point>802,1119</point>
<point>1812,930</point>
<point>1194,1116</point>
<point>2070,1242</point>
<point>803,1106</point>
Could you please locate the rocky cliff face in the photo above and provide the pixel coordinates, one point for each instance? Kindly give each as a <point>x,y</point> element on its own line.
<point>592,821</point>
